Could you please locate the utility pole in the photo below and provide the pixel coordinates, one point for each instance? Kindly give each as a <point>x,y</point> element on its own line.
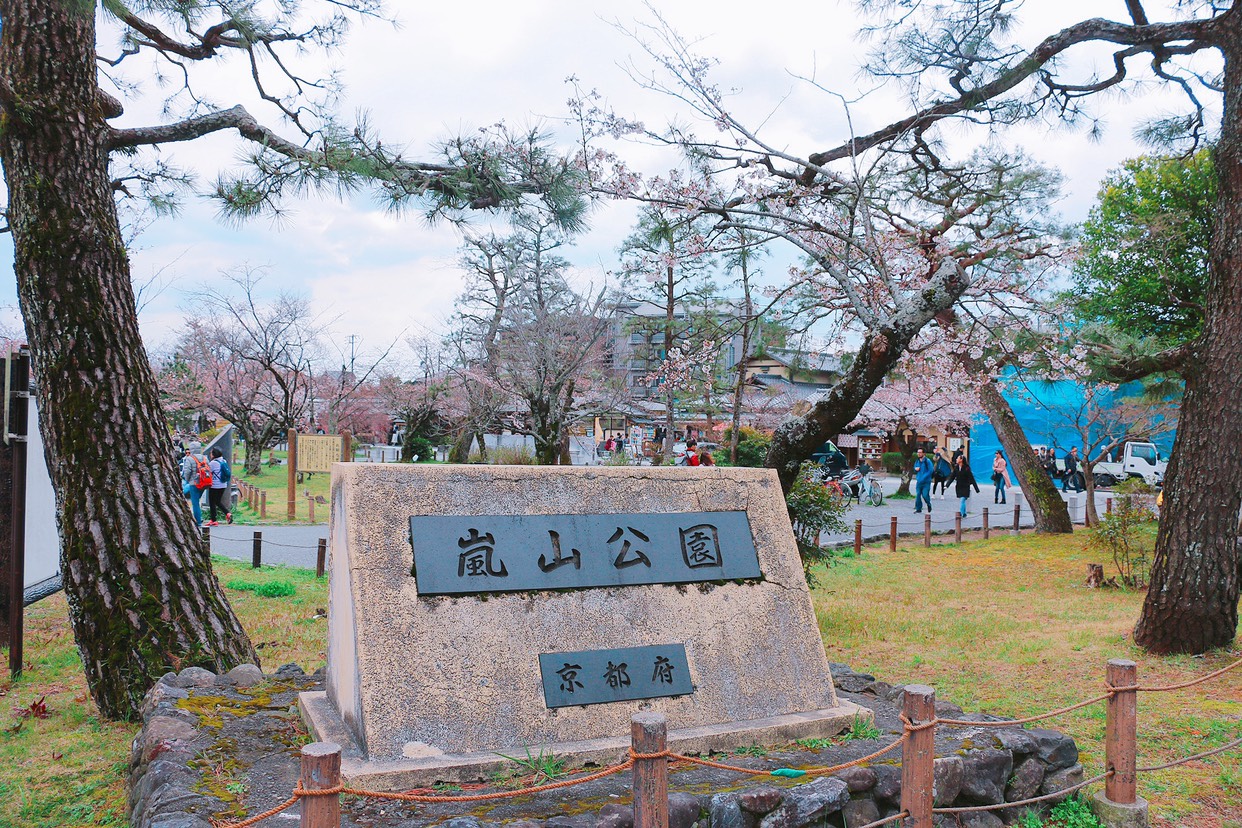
<point>353,341</point>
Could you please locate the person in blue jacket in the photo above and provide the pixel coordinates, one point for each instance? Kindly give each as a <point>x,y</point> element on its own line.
<point>923,468</point>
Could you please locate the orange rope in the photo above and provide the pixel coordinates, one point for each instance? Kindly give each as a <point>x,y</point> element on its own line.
<point>564,783</point>
<point>1012,722</point>
<point>1191,683</point>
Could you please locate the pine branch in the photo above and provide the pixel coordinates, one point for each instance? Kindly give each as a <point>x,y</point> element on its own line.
<point>1203,32</point>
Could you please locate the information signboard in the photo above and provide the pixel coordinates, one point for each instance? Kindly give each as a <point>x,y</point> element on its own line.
<point>317,452</point>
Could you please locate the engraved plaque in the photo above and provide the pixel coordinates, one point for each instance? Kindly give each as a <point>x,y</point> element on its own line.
<point>621,674</point>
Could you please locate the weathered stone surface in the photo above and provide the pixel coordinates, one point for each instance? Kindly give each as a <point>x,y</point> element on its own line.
<point>683,809</point>
<point>178,821</point>
<point>806,804</point>
<point>760,800</point>
<point>887,782</point>
<point>160,731</point>
<point>1057,781</point>
<point>1131,815</point>
<point>947,709</point>
<point>462,822</point>
<point>245,675</point>
<point>857,779</point>
<point>1028,775</point>
<point>289,670</point>
<point>613,815</point>
<point>440,697</point>
<point>726,812</point>
<point>946,780</point>
<point>163,695</point>
<point>858,812</point>
<point>1014,740</point>
<point>981,819</point>
<point>195,677</point>
<point>847,680</point>
<point>985,774</point>
<point>1054,749</point>
<point>575,821</point>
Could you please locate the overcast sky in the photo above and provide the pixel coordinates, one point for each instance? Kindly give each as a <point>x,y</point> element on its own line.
<point>452,67</point>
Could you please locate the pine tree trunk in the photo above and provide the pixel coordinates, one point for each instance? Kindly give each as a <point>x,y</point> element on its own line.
<point>1049,510</point>
<point>1192,602</point>
<point>142,597</point>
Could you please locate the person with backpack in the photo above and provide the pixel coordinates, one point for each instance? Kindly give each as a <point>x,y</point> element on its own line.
<point>942,470</point>
<point>195,478</point>
<point>221,475</point>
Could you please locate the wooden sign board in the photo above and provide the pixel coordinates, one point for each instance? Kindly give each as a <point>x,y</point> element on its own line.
<point>317,452</point>
<point>478,610</point>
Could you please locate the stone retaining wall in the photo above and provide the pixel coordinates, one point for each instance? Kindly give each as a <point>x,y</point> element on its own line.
<point>180,777</point>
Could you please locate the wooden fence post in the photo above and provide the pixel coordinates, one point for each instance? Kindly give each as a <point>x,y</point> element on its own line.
<point>927,530</point>
<point>857,537</point>
<point>918,757</point>
<point>292,462</point>
<point>957,527</point>
<point>321,557</point>
<point>985,522</point>
<point>892,534</point>
<point>256,555</point>
<point>321,770</point>
<point>1121,732</point>
<point>1108,505</point>
<point>1017,516</point>
<point>649,734</point>
<point>310,505</point>
<point>263,503</point>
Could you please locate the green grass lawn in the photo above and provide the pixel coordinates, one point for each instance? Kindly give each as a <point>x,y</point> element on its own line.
<point>275,481</point>
<point>1003,626</point>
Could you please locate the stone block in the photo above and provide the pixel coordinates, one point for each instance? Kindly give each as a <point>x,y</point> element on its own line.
<point>195,677</point>
<point>887,782</point>
<point>726,812</point>
<point>245,675</point>
<point>858,812</point>
<point>613,815</point>
<point>947,776</point>
<point>1028,775</point>
<point>808,804</point>
<point>858,779</point>
<point>428,687</point>
<point>1058,781</point>
<point>985,773</point>
<point>1054,749</point>
<point>981,819</point>
<point>683,810</point>
<point>1118,815</point>
<point>761,800</point>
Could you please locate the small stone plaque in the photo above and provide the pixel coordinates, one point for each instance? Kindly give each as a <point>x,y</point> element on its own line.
<point>622,674</point>
<point>523,553</point>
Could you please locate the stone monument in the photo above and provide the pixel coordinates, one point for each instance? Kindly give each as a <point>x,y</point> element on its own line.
<point>485,610</point>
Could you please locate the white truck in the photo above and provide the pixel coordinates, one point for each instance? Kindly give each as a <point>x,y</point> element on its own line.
<point>1137,460</point>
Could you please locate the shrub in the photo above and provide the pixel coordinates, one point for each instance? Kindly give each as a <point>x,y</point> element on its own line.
<point>275,589</point>
<point>812,509</point>
<point>419,447</point>
<point>752,448</point>
<point>893,461</point>
<point>505,456</point>
<point>1128,535</point>
<point>242,586</point>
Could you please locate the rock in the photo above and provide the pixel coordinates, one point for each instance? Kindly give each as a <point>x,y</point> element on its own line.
<point>761,800</point>
<point>179,821</point>
<point>807,804</point>
<point>947,709</point>
<point>289,671</point>
<point>462,822</point>
<point>195,677</point>
<point>1054,749</point>
<point>887,783</point>
<point>880,689</point>
<point>860,812</point>
<point>160,732</point>
<point>1057,781</point>
<point>1014,740</point>
<point>683,810</point>
<point>577,821</point>
<point>162,696</point>
<point>245,675</point>
<point>947,775</point>
<point>1028,775</point>
<point>981,819</point>
<point>726,812</point>
<point>857,779</point>
<point>613,815</point>
<point>985,775</point>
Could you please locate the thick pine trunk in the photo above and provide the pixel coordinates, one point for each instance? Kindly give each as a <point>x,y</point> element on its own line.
<point>1192,602</point>
<point>1047,507</point>
<point>142,597</point>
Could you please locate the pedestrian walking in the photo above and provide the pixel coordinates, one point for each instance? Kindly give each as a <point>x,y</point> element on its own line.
<point>963,478</point>
<point>1072,478</point>
<point>195,478</point>
<point>943,471</point>
<point>923,469</point>
<point>1000,477</point>
<point>221,475</point>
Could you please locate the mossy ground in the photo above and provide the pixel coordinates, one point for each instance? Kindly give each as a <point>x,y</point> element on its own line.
<point>1004,626</point>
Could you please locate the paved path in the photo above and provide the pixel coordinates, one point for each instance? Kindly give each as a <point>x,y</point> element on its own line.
<point>297,545</point>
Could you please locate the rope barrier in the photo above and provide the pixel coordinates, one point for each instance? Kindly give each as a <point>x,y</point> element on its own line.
<point>886,820</point>
<point>1046,797</point>
<point>1028,719</point>
<point>820,771</point>
<point>1191,683</point>
<point>1229,746</point>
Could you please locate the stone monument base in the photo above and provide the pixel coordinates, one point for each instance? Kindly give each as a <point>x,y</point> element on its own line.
<point>325,725</point>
